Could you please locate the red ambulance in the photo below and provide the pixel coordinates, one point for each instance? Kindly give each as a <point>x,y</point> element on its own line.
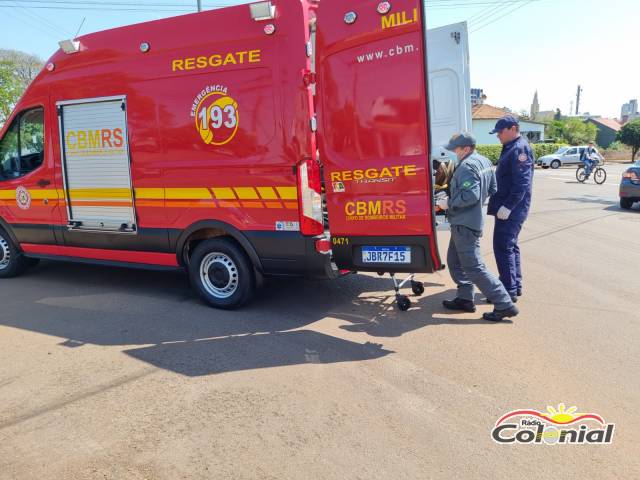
<point>285,137</point>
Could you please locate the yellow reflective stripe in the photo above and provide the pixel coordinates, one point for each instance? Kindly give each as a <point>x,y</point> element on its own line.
<point>95,193</point>
<point>7,194</point>
<point>246,193</point>
<point>187,194</point>
<point>150,193</point>
<point>42,194</point>
<point>267,193</point>
<point>224,194</point>
<point>288,193</point>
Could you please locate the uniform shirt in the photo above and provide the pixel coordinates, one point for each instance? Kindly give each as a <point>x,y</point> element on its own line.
<point>515,178</point>
<point>472,183</point>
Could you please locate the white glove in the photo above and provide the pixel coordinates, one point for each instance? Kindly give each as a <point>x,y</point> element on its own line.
<point>443,203</point>
<point>503,213</point>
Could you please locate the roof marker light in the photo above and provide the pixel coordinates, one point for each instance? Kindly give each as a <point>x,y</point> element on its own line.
<point>384,8</point>
<point>51,66</point>
<point>262,11</point>
<point>69,46</point>
<point>350,17</point>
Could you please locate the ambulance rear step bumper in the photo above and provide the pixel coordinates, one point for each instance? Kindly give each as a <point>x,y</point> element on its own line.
<point>347,254</point>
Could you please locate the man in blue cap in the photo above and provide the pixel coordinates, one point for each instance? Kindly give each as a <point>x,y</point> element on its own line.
<point>473,181</point>
<point>511,203</point>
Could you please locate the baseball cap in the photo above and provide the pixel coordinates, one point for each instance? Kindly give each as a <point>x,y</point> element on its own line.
<point>460,140</point>
<point>507,121</point>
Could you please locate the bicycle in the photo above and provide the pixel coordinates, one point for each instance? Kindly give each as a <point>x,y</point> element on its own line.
<point>599,173</point>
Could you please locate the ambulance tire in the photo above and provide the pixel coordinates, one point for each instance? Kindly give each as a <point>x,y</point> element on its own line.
<point>12,262</point>
<point>222,273</point>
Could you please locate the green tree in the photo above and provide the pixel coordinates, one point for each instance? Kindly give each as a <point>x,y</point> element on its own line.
<point>10,90</point>
<point>27,66</point>
<point>572,131</point>
<point>17,70</point>
<point>577,132</point>
<point>554,130</point>
<point>630,135</point>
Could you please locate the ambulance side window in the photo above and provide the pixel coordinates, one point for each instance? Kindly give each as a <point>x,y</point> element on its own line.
<point>22,147</point>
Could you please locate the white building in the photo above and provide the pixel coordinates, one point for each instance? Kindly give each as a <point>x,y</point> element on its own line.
<point>484,118</point>
<point>629,111</point>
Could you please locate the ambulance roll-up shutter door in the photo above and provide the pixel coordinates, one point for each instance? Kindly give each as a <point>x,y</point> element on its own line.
<point>96,165</point>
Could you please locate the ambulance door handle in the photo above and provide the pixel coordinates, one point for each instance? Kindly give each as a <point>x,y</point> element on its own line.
<point>43,182</point>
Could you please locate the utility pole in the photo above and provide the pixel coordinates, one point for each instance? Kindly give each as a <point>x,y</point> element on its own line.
<point>578,100</point>
<point>199,5</point>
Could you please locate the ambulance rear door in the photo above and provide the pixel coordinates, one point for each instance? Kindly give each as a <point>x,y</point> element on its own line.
<point>373,133</point>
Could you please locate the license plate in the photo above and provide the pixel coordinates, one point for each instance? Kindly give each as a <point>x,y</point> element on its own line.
<point>386,255</point>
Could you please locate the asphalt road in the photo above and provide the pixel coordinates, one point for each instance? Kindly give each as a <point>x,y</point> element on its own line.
<point>122,374</point>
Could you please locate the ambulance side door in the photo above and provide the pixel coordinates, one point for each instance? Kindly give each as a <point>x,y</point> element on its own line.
<point>28,197</point>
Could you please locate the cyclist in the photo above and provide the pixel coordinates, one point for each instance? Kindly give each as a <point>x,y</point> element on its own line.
<point>590,157</point>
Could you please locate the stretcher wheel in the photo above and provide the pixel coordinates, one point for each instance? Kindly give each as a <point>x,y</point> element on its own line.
<point>417,288</point>
<point>404,303</point>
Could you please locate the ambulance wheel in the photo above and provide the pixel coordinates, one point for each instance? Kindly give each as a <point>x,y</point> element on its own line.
<point>417,288</point>
<point>12,262</point>
<point>222,274</point>
<point>404,303</point>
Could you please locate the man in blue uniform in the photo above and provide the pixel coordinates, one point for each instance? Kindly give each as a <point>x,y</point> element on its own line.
<point>473,181</point>
<point>511,203</point>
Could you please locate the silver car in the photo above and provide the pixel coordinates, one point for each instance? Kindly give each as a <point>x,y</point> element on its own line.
<point>564,156</point>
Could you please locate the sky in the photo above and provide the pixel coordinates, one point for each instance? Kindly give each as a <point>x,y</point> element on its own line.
<point>516,46</point>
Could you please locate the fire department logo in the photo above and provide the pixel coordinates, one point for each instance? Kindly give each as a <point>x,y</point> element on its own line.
<point>216,115</point>
<point>23,198</point>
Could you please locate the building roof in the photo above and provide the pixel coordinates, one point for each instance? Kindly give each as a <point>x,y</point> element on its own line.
<point>489,112</point>
<point>607,122</point>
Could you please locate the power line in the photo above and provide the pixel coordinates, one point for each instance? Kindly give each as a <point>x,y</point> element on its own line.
<point>487,12</point>
<point>28,23</point>
<point>71,4</point>
<point>65,3</point>
<point>44,21</point>
<point>491,21</point>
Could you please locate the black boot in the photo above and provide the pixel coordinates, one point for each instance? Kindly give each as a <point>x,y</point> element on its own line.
<point>459,304</point>
<point>498,315</point>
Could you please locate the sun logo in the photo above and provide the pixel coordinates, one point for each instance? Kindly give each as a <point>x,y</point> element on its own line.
<point>562,414</point>
<point>557,416</point>
<point>217,118</point>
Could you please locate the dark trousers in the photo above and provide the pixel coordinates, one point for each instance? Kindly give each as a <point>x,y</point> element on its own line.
<point>468,270</point>
<point>507,253</point>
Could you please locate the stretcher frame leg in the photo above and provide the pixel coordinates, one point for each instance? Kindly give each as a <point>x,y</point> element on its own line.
<point>402,301</point>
